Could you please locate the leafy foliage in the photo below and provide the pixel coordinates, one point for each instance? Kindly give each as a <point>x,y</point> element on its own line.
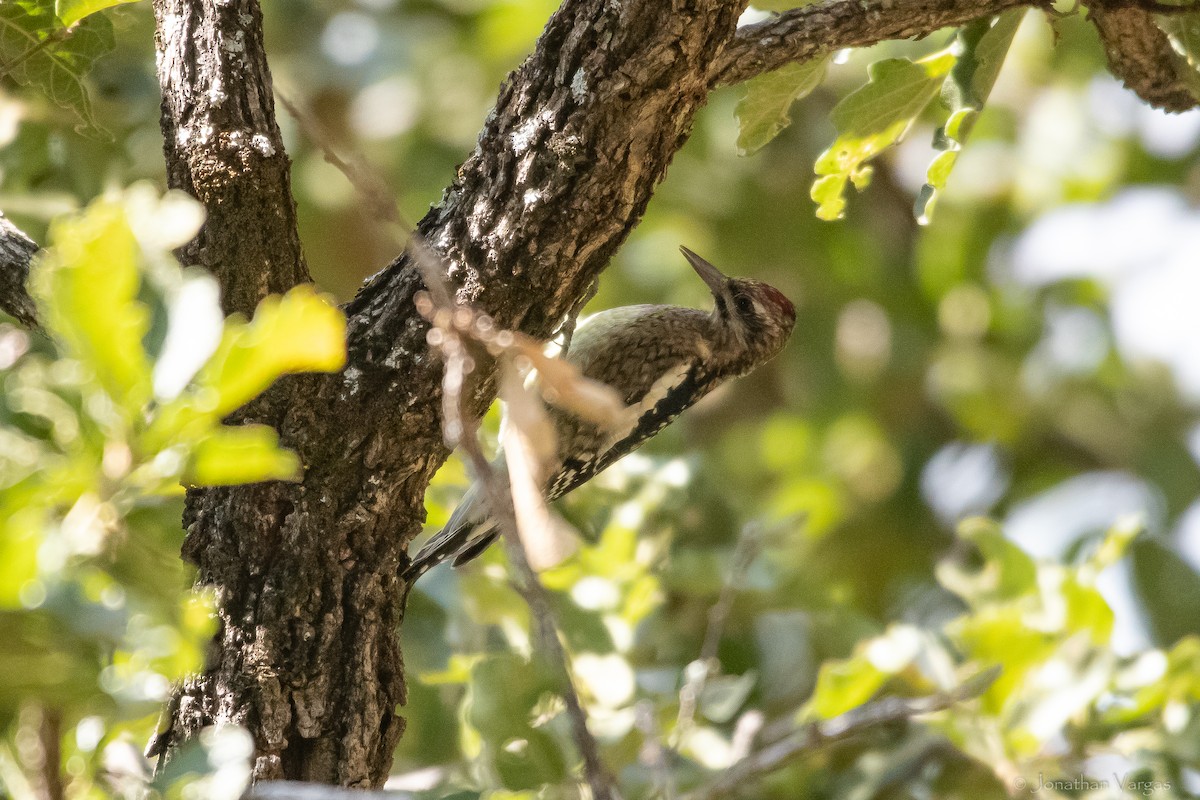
<point>871,119</point>
<point>55,51</point>
<point>982,47</point>
<point>94,605</point>
<point>763,112</point>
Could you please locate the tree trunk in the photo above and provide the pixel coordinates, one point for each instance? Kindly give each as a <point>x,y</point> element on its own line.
<point>306,655</point>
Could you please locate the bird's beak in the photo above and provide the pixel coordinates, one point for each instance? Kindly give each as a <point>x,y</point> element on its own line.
<point>707,272</point>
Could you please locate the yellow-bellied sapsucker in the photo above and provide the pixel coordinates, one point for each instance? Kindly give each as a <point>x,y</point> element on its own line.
<point>661,360</point>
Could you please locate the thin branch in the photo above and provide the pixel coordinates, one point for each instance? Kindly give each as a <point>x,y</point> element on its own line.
<point>653,752</point>
<point>544,618</point>
<point>450,323</point>
<point>1139,53</point>
<point>16,252</point>
<point>699,672</point>
<point>855,722</point>
<point>825,27</point>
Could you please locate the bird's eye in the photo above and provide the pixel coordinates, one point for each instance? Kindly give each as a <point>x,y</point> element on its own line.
<point>744,304</point>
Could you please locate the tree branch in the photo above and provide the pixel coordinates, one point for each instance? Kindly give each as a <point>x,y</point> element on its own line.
<point>1140,54</point>
<point>222,145</point>
<point>825,27</point>
<point>853,723</point>
<point>16,251</point>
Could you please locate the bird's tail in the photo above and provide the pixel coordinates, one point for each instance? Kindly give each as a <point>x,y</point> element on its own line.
<point>469,531</point>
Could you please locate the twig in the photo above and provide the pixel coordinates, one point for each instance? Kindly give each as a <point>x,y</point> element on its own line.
<point>567,328</point>
<point>653,753</point>
<point>699,672</point>
<point>531,589</point>
<point>853,723</point>
<point>49,734</point>
<point>526,581</point>
<point>450,323</point>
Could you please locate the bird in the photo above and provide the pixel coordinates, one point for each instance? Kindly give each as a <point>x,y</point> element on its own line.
<point>661,359</point>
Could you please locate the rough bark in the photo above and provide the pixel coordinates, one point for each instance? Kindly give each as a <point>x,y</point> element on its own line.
<point>1140,54</point>
<point>223,147</point>
<point>1138,51</point>
<point>16,250</point>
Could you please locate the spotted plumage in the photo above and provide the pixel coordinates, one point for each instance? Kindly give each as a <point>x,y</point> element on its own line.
<point>662,359</point>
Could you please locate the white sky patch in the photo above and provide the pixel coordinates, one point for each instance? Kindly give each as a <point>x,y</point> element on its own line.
<point>1142,245</point>
<point>350,38</point>
<point>963,479</point>
<point>752,15</point>
<point>1187,535</point>
<point>1047,524</point>
<point>194,329</point>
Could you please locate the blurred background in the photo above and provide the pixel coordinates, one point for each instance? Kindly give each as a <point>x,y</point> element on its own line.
<point>1032,354</point>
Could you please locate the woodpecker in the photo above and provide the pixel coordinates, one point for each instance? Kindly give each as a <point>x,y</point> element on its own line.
<point>661,359</point>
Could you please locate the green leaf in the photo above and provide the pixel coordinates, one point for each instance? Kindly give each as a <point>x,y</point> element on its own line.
<point>724,696</point>
<point>71,11</point>
<point>1169,590</point>
<point>242,454</point>
<point>763,112</point>
<point>86,284</point>
<point>845,684</point>
<point>982,47</point>
<point>36,49</point>
<point>302,331</point>
<point>530,761</point>
<point>1001,635</point>
<point>873,118</point>
<point>1008,572</point>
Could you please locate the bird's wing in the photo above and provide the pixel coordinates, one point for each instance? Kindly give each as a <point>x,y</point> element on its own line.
<point>667,398</point>
<point>469,530</point>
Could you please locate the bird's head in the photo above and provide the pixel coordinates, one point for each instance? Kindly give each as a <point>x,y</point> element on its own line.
<point>757,315</point>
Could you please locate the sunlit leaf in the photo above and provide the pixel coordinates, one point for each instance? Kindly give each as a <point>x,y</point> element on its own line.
<point>87,286</point>
<point>844,684</point>
<point>242,454</point>
<point>71,11</point>
<point>982,47</point>
<point>301,331</point>
<point>873,118</point>
<point>36,48</point>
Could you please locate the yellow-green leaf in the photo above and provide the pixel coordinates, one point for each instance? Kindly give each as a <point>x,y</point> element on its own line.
<point>71,11</point>
<point>845,684</point>
<point>300,332</point>
<point>873,118</point>
<point>243,454</point>
<point>982,46</point>
<point>86,284</point>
